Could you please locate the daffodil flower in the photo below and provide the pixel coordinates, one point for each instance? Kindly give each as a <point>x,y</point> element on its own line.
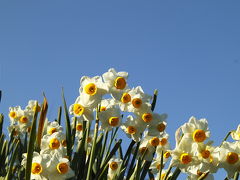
<point>59,168</point>
<point>133,128</point>
<point>114,165</point>
<point>158,124</point>
<point>92,90</point>
<point>230,157</point>
<point>116,81</point>
<point>236,134</point>
<point>197,130</point>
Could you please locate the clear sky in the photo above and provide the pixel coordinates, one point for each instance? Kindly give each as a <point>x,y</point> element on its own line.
<point>188,50</point>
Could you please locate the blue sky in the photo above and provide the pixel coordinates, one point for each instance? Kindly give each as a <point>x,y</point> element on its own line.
<point>188,50</point>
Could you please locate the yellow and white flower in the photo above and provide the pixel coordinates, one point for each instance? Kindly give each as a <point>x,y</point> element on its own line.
<point>54,143</point>
<point>164,144</point>
<point>163,174</point>
<point>78,109</point>
<point>236,134</point>
<point>92,90</point>
<point>133,128</point>
<point>33,106</point>
<point>158,124</point>
<point>114,165</point>
<point>39,169</point>
<point>53,127</point>
<point>116,81</point>
<point>110,118</point>
<point>59,168</point>
<point>230,157</point>
<point>196,130</point>
<point>14,114</point>
<point>140,101</point>
<point>183,156</point>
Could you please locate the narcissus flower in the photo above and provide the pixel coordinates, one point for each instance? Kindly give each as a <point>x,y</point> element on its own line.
<point>158,124</point>
<point>59,168</point>
<point>92,90</point>
<point>53,127</point>
<point>110,118</point>
<point>39,169</point>
<point>116,81</point>
<point>230,157</point>
<point>14,114</point>
<point>183,156</point>
<point>236,134</point>
<point>197,130</point>
<point>78,109</point>
<point>140,101</point>
<point>133,128</point>
<point>33,106</point>
<point>114,165</point>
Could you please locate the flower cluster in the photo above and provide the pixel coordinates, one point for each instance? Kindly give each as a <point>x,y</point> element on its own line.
<point>81,152</point>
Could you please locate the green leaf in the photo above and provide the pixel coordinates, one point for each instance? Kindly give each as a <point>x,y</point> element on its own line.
<point>59,115</point>
<point>1,123</point>
<point>14,155</point>
<point>68,128</point>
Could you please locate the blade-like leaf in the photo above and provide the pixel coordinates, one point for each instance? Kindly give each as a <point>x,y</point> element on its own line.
<point>68,128</point>
<point>42,118</point>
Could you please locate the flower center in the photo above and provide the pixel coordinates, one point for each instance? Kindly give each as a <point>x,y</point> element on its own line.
<point>131,130</point>
<point>137,102</point>
<point>167,154</point>
<point>205,154</point>
<point>125,98</point>
<point>113,121</point>
<point>161,127</point>
<point>232,157</point>
<point>62,168</point>
<point>78,109</point>
<point>147,117</point>
<point>23,119</point>
<point>79,127</point>
<point>52,130</point>
<point>36,168</point>
<point>120,83</point>
<point>185,158</point>
<point>13,114</point>
<point>199,135</point>
<point>163,142</point>
<point>113,165</point>
<point>158,165</point>
<point>103,108</point>
<point>90,89</point>
<point>54,143</point>
<point>154,141</point>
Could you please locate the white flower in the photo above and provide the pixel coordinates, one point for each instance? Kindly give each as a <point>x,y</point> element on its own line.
<point>116,81</point>
<point>114,165</point>
<point>53,127</point>
<point>197,130</point>
<point>110,118</point>
<point>140,102</point>
<point>164,144</point>
<point>208,156</point>
<point>39,169</point>
<point>54,143</point>
<point>92,90</point>
<point>230,157</point>
<point>14,114</point>
<point>59,168</point>
<point>236,134</point>
<point>32,106</point>
<point>158,124</point>
<point>133,128</point>
<point>156,164</point>
<point>78,109</point>
<point>183,156</point>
